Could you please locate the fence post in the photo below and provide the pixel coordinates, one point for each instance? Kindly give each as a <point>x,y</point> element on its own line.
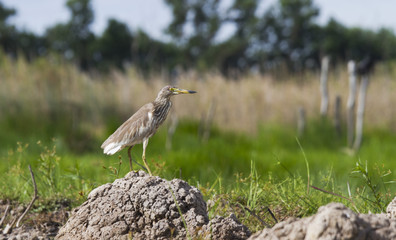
<point>323,86</point>
<point>301,121</point>
<point>174,121</point>
<point>351,102</point>
<point>337,115</point>
<point>206,122</point>
<point>360,111</point>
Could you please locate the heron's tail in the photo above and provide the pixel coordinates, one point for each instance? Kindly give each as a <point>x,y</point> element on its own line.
<point>111,148</point>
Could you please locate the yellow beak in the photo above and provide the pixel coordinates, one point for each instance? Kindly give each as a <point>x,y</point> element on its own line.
<point>181,91</point>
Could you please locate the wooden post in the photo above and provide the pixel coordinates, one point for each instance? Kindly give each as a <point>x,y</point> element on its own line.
<point>209,120</point>
<point>174,121</point>
<point>337,115</point>
<point>301,121</point>
<point>360,111</point>
<point>351,102</point>
<point>323,86</point>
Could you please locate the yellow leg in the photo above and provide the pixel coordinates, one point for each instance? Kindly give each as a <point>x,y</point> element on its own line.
<point>130,158</point>
<point>144,156</point>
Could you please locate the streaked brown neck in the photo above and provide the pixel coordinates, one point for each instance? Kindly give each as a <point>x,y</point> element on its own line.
<point>161,109</point>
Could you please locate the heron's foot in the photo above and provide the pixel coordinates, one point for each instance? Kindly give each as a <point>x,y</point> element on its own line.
<point>148,170</point>
<point>147,167</point>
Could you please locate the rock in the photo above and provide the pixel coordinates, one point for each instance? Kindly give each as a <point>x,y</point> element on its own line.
<point>140,206</point>
<point>333,221</point>
<point>225,228</point>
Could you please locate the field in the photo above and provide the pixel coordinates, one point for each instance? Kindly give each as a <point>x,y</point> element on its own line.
<point>236,140</point>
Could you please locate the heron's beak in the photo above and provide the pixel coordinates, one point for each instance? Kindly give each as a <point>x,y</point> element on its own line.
<point>181,91</point>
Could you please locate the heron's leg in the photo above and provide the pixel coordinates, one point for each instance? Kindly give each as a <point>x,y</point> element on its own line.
<point>145,142</point>
<point>130,158</point>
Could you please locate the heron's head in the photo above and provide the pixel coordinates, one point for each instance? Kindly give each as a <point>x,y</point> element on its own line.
<point>168,91</point>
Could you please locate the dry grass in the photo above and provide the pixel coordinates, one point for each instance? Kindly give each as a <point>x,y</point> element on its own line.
<point>45,85</point>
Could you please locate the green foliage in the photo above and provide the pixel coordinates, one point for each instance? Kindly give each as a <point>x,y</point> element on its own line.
<point>293,19</point>
<point>286,35</point>
<point>205,19</point>
<point>377,194</point>
<point>263,200</point>
<point>74,38</point>
<point>5,13</point>
<point>114,46</point>
<point>47,163</point>
<point>261,179</point>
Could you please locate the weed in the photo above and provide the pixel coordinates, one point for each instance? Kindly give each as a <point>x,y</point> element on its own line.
<point>306,164</point>
<point>374,182</point>
<point>48,162</point>
<point>180,212</point>
<point>254,187</point>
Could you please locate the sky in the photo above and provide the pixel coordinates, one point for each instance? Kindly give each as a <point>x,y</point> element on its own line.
<point>154,15</point>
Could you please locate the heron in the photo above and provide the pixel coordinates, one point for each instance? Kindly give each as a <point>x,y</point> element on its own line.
<point>142,125</point>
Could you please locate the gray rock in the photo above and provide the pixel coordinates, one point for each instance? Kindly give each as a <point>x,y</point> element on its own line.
<point>140,206</point>
<point>224,229</point>
<point>333,221</point>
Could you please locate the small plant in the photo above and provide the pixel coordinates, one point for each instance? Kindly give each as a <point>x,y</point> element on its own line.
<point>306,164</point>
<point>48,162</point>
<point>114,170</point>
<point>254,187</point>
<point>376,193</point>
<point>180,212</point>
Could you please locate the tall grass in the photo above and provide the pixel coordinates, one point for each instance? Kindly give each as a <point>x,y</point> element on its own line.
<point>49,91</point>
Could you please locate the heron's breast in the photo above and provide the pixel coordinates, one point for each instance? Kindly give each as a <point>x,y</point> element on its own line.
<point>147,125</point>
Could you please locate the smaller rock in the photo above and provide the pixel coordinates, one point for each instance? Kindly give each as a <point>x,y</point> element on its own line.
<point>333,221</point>
<point>225,228</point>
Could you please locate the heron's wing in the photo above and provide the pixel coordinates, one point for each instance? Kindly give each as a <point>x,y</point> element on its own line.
<point>131,132</point>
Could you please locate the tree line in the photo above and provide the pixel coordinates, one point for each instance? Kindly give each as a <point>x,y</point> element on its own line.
<point>285,35</point>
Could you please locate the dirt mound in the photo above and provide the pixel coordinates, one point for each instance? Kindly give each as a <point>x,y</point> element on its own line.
<point>333,221</point>
<point>140,206</point>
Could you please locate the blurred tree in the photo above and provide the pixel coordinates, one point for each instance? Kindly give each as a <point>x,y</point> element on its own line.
<point>74,39</point>
<point>81,35</point>
<point>194,27</point>
<point>237,52</point>
<point>286,34</point>
<point>294,33</point>
<point>386,42</point>
<point>31,45</point>
<point>114,47</point>
<point>8,33</point>
<point>334,41</point>
<point>14,42</point>
<point>153,55</point>
<point>60,40</point>
<point>362,43</point>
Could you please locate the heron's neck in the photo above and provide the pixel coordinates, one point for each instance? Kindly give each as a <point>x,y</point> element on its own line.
<point>161,109</point>
<point>160,100</point>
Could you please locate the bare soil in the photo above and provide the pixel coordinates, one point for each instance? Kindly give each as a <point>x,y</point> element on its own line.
<point>37,223</point>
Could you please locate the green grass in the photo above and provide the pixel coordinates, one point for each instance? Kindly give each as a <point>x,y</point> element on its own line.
<point>54,117</point>
<point>248,175</point>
